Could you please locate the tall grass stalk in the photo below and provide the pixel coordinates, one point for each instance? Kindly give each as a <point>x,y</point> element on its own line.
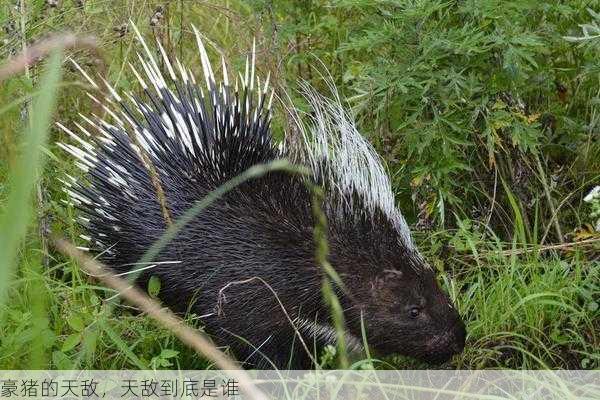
<point>330,275</point>
<point>22,180</point>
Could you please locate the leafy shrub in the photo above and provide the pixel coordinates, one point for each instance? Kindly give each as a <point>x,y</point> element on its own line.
<point>458,96</point>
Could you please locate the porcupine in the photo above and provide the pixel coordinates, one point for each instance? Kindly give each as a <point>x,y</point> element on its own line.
<point>246,264</point>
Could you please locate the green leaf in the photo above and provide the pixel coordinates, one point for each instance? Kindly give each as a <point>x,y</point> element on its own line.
<point>61,360</point>
<point>154,286</point>
<point>114,336</point>
<point>168,353</point>
<point>71,341</point>
<point>90,342</point>
<point>76,323</point>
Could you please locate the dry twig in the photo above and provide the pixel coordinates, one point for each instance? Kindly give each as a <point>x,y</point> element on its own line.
<point>38,51</point>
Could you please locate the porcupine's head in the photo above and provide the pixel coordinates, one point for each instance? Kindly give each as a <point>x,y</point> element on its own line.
<point>388,283</point>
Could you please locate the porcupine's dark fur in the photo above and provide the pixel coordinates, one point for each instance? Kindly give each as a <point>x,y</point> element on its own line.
<point>263,228</point>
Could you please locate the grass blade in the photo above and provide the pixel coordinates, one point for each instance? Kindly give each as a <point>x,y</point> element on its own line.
<point>17,213</point>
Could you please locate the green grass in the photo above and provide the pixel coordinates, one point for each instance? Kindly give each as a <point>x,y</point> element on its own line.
<point>528,309</point>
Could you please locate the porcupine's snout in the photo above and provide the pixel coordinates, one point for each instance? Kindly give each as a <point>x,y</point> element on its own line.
<point>442,347</point>
<point>449,337</point>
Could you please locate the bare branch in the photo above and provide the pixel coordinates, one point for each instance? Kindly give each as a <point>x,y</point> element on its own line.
<point>38,51</point>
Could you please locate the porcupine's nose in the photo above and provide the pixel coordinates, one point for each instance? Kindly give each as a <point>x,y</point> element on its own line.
<point>460,334</point>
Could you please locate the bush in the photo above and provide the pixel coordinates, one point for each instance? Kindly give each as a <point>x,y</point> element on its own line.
<point>460,96</point>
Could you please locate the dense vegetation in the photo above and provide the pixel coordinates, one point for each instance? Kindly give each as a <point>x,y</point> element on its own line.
<point>485,112</point>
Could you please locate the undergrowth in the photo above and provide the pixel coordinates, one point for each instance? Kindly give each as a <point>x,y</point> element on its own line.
<point>487,118</point>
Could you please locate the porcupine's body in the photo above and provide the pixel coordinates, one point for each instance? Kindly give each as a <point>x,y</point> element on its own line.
<point>258,238</point>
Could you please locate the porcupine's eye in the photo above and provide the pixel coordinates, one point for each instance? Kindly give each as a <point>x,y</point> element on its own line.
<point>414,312</point>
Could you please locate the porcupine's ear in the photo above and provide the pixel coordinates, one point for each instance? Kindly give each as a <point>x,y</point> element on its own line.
<point>342,160</point>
